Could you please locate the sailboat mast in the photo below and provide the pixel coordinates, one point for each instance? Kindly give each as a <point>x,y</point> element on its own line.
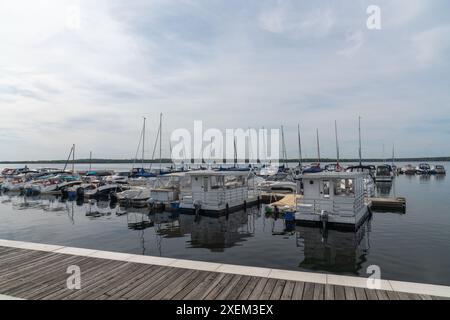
<point>360,152</point>
<point>283,143</point>
<point>90,160</point>
<point>337,143</point>
<point>143,144</point>
<point>73,159</point>
<point>318,147</point>
<point>393,154</point>
<point>160,142</point>
<point>235,153</point>
<point>299,147</point>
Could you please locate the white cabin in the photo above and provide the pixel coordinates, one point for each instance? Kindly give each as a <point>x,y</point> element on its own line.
<point>334,197</point>
<point>216,191</point>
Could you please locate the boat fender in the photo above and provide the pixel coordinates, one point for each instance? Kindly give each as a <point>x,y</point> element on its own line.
<point>245,206</point>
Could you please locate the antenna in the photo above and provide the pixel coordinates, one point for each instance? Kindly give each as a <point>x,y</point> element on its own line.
<point>90,160</point>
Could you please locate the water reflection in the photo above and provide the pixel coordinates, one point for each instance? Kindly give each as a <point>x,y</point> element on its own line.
<point>384,188</point>
<point>216,234</point>
<point>334,251</point>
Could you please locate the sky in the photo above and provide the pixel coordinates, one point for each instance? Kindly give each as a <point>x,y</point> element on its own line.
<point>86,72</point>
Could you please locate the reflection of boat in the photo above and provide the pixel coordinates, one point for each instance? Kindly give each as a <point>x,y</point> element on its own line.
<point>138,221</point>
<point>332,250</point>
<point>98,209</point>
<point>215,233</point>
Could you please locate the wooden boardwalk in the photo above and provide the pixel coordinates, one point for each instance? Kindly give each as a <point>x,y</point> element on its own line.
<point>39,275</point>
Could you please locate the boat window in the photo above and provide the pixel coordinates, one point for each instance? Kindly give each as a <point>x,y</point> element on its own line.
<point>205,184</point>
<point>344,187</point>
<point>326,189</point>
<point>217,182</point>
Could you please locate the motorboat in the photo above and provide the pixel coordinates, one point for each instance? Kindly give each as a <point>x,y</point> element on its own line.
<point>423,168</point>
<point>408,170</point>
<point>439,169</point>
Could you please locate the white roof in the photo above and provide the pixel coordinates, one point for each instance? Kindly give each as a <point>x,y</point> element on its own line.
<point>333,175</point>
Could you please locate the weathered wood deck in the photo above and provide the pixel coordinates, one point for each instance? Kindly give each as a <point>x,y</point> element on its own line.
<point>31,274</point>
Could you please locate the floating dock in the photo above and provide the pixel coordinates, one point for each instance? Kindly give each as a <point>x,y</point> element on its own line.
<point>39,271</point>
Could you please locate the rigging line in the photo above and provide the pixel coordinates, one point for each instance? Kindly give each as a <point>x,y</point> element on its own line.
<point>137,150</point>
<point>154,148</point>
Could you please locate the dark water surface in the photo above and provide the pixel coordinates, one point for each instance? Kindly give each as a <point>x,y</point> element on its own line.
<point>411,247</point>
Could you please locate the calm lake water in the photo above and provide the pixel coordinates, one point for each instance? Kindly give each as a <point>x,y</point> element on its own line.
<point>410,247</point>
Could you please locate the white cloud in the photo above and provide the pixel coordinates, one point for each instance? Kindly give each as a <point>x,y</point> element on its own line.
<point>432,46</point>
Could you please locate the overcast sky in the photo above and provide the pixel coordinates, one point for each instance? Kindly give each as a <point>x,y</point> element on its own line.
<point>230,63</point>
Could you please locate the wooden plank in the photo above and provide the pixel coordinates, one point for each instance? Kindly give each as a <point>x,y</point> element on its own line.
<point>329,292</point>
<point>44,290</point>
<point>278,290</point>
<point>175,286</point>
<point>191,286</point>
<point>23,283</point>
<point>229,288</point>
<point>408,296</point>
<point>145,278</point>
<point>308,293</point>
<point>382,295</point>
<point>267,291</point>
<point>360,294</point>
<point>288,290</point>
<point>319,291</point>
<point>258,289</point>
<point>371,294</point>
<point>219,287</point>
<point>61,291</point>
<point>245,294</point>
<point>350,293</point>
<point>299,289</point>
<point>238,288</point>
<point>203,289</point>
<point>392,295</point>
<point>150,287</point>
<point>127,281</point>
<point>339,293</point>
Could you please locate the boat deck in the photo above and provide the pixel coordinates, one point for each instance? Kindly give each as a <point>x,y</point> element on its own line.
<point>41,273</point>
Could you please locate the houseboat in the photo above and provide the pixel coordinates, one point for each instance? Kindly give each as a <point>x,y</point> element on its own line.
<point>216,192</point>
<point>332,199</point>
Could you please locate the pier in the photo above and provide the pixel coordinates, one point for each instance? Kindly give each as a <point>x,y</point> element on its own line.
<point>39,271</point>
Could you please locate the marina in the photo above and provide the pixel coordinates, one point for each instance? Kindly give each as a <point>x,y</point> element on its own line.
<point>259,236</point>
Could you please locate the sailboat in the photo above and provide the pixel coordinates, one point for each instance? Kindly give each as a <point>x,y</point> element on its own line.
<point>141,173</point>
<point>315,167</point>
<point>369,183</point>
<point>337,166</point>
